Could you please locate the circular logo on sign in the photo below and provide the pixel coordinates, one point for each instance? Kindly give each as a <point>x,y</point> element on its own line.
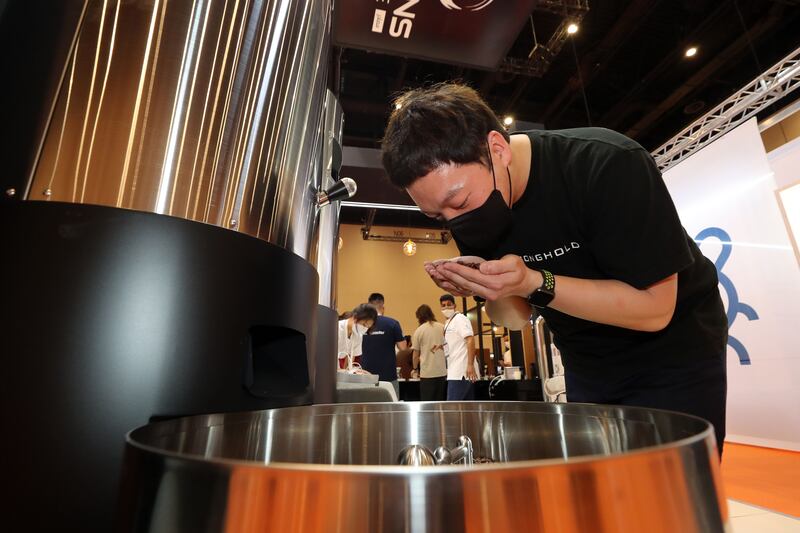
<point>472,6</point>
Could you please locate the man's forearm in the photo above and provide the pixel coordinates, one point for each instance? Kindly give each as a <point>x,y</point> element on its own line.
<point>505,282</point>
<point>613,302</point>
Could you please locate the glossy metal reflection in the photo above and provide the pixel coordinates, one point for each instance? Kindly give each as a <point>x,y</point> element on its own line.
<point>558,467</point>
<point>441,455</point>
<point>205,110</point>
<point>416,455</point>
<point>327,230</point>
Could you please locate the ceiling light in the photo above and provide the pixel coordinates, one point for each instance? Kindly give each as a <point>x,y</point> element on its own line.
<point>508,120</point>
<point>572,28</point>
<point>691,51</point>
<point>398,105</point>
<point>409,248</point>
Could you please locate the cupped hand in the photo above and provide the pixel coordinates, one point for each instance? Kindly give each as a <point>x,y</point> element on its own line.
<point>507,276</point>
<point>444,283</point>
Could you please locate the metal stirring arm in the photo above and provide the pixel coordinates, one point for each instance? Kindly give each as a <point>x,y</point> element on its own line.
<point>463,453</point>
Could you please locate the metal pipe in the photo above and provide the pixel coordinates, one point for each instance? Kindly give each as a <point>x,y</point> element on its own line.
<point>542,358</point>
<point>326,229</point>
<point>480,335</point>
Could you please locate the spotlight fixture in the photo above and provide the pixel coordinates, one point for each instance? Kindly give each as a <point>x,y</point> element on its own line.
<point>508,120</point>
<point>691,51</point>
<point>409,248</point>
<point>572,28</point>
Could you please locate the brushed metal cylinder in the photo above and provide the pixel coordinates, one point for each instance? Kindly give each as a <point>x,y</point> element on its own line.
<point>200,109</point>
<point>539,467</point>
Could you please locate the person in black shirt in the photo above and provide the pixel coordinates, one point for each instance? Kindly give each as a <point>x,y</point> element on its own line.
<point>579,224</point>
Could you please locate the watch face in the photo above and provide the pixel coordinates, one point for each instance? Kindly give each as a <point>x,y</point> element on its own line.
<point>541,297</point>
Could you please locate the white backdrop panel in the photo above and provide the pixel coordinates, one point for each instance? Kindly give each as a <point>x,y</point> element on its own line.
<point>725,195</point>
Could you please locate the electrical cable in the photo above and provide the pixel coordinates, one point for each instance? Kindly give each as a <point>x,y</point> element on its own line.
<point>580,80</point>
<point>747,36</point>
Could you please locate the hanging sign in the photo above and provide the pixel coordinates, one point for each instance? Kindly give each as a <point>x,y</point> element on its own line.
<point>474,33</point>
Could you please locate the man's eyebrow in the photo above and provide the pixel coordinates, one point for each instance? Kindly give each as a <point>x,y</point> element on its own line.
<point>454,190</point>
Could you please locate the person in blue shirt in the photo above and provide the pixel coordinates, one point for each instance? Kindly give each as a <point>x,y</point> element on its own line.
<point>378,345</point>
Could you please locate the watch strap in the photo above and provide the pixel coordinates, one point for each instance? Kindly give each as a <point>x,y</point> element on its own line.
<point>543,295</point>
<point>548,281</point>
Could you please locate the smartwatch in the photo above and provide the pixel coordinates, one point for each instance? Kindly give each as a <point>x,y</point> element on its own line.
<point>541,297</point>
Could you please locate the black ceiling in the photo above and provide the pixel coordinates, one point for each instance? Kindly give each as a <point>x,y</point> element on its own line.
<point>631,63</point>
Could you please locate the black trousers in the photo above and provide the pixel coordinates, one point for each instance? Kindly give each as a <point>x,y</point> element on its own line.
<point>433,389</point>
<point>698,389</point>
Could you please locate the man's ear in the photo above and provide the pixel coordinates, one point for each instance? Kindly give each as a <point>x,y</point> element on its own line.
<point>499,147</point>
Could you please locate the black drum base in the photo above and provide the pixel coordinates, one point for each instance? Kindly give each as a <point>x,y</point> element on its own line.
<point>113,318</point>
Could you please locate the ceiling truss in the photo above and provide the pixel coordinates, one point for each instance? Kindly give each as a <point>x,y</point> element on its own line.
<point>772,85</point>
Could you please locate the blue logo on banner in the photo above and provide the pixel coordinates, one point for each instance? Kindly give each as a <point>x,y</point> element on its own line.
<point>734,305</point>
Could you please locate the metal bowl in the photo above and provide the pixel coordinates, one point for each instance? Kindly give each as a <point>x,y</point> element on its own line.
<point>538,467</point>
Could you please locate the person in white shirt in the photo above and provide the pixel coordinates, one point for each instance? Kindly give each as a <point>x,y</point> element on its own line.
<point>506,361</point>
<point>459,349</point>
<point>351,330</point>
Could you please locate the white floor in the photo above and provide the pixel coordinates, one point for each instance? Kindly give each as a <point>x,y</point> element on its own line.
<point>746,518</point>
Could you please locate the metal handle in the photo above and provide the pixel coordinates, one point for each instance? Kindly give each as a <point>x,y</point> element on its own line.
<point>344,188</point>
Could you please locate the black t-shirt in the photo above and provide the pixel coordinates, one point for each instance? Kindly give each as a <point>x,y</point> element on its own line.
<point>377,348</point>
<point>596,207</point>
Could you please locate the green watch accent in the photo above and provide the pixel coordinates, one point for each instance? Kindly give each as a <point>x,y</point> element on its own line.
<point>549,282</point>
<point>542,296</point>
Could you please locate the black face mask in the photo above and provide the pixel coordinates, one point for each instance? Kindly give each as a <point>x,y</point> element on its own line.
<point>483,228</point>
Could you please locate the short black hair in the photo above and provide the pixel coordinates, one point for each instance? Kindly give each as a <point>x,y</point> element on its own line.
<point>375,297</point>
<point>425,314</point>
<point>447,298</point>
<point>365,312</point>
<point>437,125</point>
